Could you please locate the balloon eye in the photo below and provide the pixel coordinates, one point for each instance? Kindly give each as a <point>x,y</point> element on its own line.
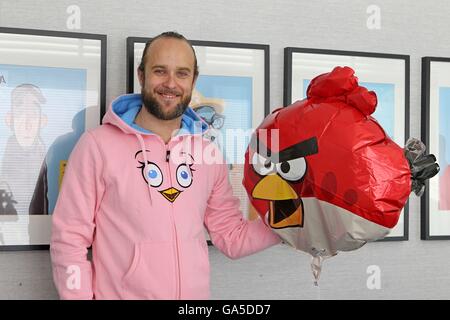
<point>262,165</point>
<point>184,175</point>
<point>292,170</point>
<point>154,175</point>
<point>285,167</point>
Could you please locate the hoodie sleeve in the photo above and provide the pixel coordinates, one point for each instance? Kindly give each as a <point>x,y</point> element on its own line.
<point>230,232</point>
<point>74,221</point>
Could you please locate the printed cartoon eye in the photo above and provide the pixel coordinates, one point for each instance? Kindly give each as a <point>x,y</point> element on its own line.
<point>292,170</point>
<point>184,175</point>
<point>262,165</point>
<point>154,175</point>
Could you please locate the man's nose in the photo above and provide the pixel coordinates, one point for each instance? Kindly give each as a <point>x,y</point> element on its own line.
<point>170,80</point>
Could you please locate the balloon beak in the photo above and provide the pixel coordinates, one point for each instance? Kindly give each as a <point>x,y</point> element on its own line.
<point>285,207</point>
<point>272,187</point>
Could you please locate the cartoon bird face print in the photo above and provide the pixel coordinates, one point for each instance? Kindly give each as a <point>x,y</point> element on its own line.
<point>279,175</point>
<point>154,177</point>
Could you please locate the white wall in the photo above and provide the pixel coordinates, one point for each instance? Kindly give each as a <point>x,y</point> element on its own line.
<point>411,269</point>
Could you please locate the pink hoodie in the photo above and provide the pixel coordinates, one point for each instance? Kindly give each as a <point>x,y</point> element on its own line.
<point>145,223</point>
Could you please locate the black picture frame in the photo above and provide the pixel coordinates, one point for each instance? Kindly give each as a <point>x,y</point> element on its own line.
<point>244,59</point>
<point>41,52</point>
<point>131,66</point>
<point>350,58</point>
<point>434,214</point>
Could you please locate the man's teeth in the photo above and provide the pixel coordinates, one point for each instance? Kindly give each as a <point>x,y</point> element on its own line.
<point>169,96</point>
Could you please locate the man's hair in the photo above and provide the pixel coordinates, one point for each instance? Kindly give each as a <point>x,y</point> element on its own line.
<point>168,34</point>
<point>21,91</point>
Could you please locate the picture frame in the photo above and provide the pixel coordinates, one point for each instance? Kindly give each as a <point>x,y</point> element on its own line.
<point>435,127</point>
<point>52,89</point>
<point>386,74</point>
<point>234,79</point>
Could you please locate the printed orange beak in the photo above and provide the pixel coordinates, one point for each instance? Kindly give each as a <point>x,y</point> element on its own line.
<point>170,194</point>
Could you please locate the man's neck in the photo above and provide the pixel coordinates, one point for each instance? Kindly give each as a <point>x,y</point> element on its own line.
<point>163,128</point>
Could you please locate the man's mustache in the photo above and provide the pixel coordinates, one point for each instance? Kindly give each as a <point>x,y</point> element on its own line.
<point>169,92</point>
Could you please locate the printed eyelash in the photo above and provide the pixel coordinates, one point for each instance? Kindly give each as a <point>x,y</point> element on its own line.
<point>142,164</point>
<point>148,162</point>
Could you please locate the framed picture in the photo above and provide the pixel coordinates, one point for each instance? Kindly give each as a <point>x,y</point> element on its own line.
<point>386,74</point>
<point>52,89</point>
<point>231,95</point>
<point>435,205</point>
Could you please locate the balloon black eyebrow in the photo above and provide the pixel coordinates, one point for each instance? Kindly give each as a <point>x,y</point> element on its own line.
<point>302,149</point>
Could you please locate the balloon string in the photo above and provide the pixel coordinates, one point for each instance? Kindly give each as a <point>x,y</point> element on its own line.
<point>316,267</point>
<point>318,290</point>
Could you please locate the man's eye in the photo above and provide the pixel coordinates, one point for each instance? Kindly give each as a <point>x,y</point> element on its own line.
<point>159,71</point>
<point>183,74</point>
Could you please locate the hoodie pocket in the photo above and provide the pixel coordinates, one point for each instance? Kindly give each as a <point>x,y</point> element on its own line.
<point>151,274</point>
<point>194,269</point>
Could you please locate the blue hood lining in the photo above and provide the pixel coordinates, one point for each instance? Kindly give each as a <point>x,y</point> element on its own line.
<point>127,107</point>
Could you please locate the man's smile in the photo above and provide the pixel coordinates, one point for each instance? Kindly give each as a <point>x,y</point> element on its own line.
<point>168,94</point>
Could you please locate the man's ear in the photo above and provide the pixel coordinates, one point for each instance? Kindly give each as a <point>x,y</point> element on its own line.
<point>141,77</point>
<point>8,119</point>
<point>44,120</point>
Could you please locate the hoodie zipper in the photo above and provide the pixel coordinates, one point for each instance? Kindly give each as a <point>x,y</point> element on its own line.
<point>172,216</point>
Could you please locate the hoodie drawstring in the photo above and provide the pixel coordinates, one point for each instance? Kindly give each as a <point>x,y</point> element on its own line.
<point>144,154</point>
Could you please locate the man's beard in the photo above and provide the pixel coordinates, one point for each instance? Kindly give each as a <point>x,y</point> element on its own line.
<point>152,106</point>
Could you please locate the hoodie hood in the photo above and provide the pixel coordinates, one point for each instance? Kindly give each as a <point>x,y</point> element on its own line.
<point>124,109</point>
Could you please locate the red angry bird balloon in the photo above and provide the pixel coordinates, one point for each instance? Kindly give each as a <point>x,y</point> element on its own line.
<point>323,173</point>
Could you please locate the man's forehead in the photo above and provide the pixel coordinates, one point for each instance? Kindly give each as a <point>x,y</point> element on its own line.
<point>166,41</point>
<point>164,47</point>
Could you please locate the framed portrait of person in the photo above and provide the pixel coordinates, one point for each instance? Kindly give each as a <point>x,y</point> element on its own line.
<point>52,89</point>
<point>435,203</point>
<point>231,95</point>
<point>385,74</point>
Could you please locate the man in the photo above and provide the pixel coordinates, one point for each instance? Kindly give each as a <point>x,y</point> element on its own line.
<point>25,150</point>
<point>141,195</point>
